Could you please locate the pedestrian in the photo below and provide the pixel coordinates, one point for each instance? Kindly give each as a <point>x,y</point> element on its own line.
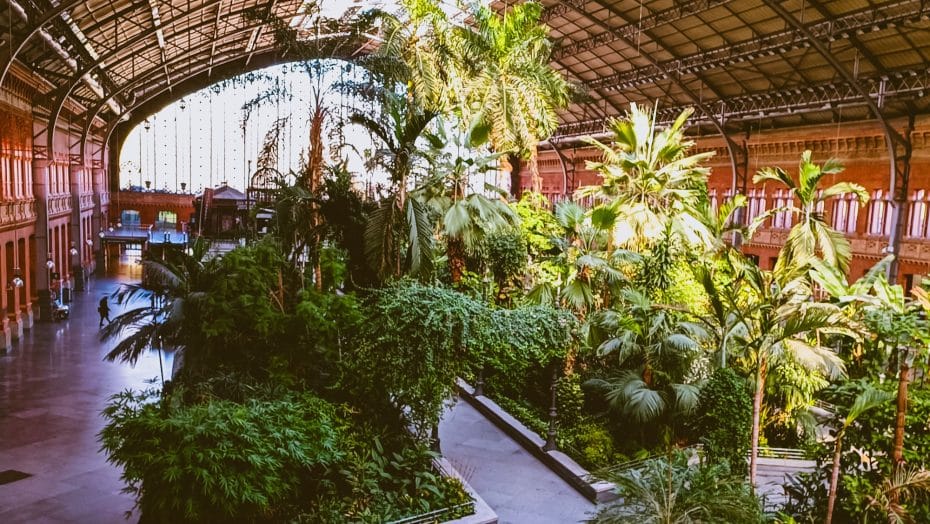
<point>104,310</point>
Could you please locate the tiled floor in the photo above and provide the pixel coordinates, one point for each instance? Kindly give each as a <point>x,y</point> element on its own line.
<point>53,385</point>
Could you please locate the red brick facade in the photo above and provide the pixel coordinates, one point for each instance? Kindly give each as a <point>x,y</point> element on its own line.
<point>150,204</point>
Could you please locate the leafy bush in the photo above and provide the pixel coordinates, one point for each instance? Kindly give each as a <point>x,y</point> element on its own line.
<point>674,491</point>
<point>384,485</point>
<point>724,418</point>
<point>220,460</point>
<point>417,341</point>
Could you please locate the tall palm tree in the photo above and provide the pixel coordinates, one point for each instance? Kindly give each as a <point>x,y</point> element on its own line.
<point>398,235</point>
<point>510,91</point>
<point>650,181</point>
<point>413,82</point>
<point>811,235</point>
<point>782,325</point>
<point>868,399</point>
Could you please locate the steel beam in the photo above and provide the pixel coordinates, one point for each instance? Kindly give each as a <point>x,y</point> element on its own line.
<point>789,101</point>
<point>736,152</point>
<point>899,146</point>
<point>75,79</point>
<point>679,10</point>
<point>841,28</point>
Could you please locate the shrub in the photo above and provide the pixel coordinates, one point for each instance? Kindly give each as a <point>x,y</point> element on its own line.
<point>674,491</point>
<point>725,418</point>
<point>220,460</point>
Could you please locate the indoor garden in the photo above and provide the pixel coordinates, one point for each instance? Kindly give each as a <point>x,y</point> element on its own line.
<point>314,364</point>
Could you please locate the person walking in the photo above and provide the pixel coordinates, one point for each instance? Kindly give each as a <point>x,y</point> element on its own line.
<point>104,310</point>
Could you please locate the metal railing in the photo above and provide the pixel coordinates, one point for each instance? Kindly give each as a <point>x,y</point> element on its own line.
<point>782,453</point>
<point>439,515</point>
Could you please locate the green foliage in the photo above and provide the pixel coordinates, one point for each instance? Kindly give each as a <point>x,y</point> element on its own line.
<point>724,418</point>
<point>506,256</point>
<point>379,485</point>
<point>654,353</point>
<point>220,460</point>
<point>528,336</point>
<point>417,341</point>
<point>811,237</point>
<point>674,492</point>
<point>538,224</point>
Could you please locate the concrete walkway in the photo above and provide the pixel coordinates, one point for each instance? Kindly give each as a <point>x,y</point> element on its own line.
<point>53,385</point>
<point>519,488</point>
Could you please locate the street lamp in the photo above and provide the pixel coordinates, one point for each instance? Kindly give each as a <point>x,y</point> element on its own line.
<point>17,281</point>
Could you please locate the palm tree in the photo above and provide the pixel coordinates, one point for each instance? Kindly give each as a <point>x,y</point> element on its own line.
<point>589,268</point>
<point>869,399</point>
<point>170,293</point>
<point>510,92</point>
<point>467,219</point>
<point>660,350</point>
<point>674,492</point>
<point>902,328</point>
<point>811,234</point>
<point>399,230</point>
<point>904,485</point>
<point>782,325</point>
<point>649,182</point>
<point>720,223</point>
<point>414,75</point>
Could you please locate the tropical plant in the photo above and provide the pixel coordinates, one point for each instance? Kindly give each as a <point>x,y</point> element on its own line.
<point>220,460</point>
<point>655,352</point>
<point>866,400</point>
<point>890,499</point>
<point>510,90</point>
<point>674,492</point>
<point>811,237</point>
<point>588,271</point>
<point>170,292</point>
<point>782,326</point>
<point>398,235</point>
<point>649,181</point>
<point>467,219</point>
<point>724,418</point>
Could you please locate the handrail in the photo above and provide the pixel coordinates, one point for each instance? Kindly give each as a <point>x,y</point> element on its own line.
<point>433,516</point>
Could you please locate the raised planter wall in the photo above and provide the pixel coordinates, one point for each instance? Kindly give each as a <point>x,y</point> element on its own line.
<point>579,478</point>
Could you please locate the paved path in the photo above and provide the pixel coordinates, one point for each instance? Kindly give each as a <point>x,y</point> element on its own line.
<point>53,385</point>
<point>519,488</point>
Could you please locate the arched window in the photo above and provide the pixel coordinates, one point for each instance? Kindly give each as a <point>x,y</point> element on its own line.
<point>845,213</point>
<point>783,219</point>
<point>756,203</point>
<point>918,226</point>
<point>879,213</point>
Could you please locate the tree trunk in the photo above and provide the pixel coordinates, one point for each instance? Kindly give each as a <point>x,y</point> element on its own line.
<point>897,451</point>
<point>515,165</point>
<point>756,415</point>
<point>834,476</point>
<point>455,253</point>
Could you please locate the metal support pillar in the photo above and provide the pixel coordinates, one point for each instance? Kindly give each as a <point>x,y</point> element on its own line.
<point>900,157</point>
